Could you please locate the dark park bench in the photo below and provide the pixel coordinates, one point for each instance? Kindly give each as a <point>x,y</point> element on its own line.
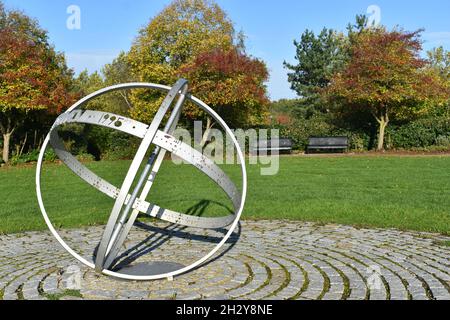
<point>281,146</point>
<point>327,144</point>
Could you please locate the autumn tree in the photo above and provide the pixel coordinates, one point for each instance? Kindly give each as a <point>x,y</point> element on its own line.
<point>32,75</point>
<point>387,76</point>
<point>2,15</point>
<point>180,32</point>
<point>233,83</point>
<point>175,37</point>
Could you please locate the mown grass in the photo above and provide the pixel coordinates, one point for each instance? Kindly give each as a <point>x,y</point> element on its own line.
<point>399,192</point>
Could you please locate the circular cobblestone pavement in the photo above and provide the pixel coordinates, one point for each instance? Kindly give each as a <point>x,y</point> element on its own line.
<point>263,260</point>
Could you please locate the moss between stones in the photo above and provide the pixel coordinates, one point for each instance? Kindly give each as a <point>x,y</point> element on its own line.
<point>20,293</point>
<point>442,243</point>
<point>285,283</point>
<point>305,278</point>
<point>268,271</point>
<point>250,275</point>
<point>66,293</point>
<point>247,281</point>
<point>268,279</point>
<point>406,285</point>
<point>386,287</point>
<point>445,284</point>
<point>426,287</point>
<point>326,283</point>
<point>346,281</point>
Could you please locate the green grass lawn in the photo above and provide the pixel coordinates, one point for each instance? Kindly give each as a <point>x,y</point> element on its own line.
<point>401,192</point>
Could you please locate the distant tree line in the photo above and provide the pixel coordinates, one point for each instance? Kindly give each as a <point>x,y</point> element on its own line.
<point>369,83</point>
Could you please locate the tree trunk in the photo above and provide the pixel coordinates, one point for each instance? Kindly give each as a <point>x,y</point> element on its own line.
<point>7,129</point>
<point>125,98</point>
<point>6,142</point>
<point>383,122</point>
<point>209,126</point>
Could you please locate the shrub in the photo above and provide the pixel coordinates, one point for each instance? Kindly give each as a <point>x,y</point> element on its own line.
<point>115,145</point>
<point>358,141</point>
<point>33,156</point>
<point>422,133</point>
<point>98,142</point>
<point>50,155</point>
<point>301,129</point>
<point>85,157</point>
<point>28,157</point>
<point>443,141</point>
<point>73,137</point>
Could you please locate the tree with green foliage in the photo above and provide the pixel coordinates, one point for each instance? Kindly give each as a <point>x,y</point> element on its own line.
<point>32,75</point>
<point>440,60</point>
<point>319,58</point>
<point>117,72</point>
<point>387,76</point>
<point>85,84</point>
<point>359,26</point>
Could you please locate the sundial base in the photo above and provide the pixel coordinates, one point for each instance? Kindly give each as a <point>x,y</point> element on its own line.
<point>151,268</point>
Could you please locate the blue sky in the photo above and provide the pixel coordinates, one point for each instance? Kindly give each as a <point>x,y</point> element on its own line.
<point>109,26</point>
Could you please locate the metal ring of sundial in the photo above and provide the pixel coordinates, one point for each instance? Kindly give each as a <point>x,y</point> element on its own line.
<point>121,221</point>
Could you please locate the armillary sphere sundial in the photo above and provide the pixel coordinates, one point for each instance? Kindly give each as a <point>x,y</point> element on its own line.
<point>130,202</point>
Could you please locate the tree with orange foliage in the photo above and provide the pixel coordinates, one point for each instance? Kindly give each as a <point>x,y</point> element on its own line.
<point>232,83</point>
<point>32,75</point>
<point>387,76</point>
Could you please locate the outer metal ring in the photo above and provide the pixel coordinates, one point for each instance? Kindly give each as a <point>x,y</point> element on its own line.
<point>197,263</point>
